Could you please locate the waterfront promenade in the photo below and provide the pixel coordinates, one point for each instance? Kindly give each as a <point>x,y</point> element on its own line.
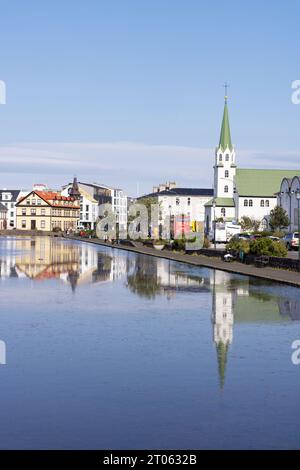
<point>278,275</point>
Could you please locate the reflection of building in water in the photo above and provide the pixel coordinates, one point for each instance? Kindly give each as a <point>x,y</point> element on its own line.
<point>289,308</point>
<point>173,279</point>
<point>226,292</point>
<point>149,276</point>
<point>222,318</point>
<point>9,249</point>
<point>42,258</point>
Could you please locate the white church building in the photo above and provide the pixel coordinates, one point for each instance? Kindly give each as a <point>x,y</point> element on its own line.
<point>240,192</point>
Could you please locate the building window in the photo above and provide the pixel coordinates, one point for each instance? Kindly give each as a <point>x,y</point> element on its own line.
<point>177,201</point>
<point>246,203</point>
<point>226,189</point>
<point>223,211</point>
<point>262,203</point>
<point>87,208</point>
<point>227,157</point>
<point>226,173</point>
<point>33,202</point>
<point>43,211</point>
<point>189,201</point>
<point>23,210</point>
<point>250,202</point>
<point>39,202</point>
<point>28,202</point>
<point>23,223</point>
<point>43,224</point>
<point>33,211</point>
<point>267,203</point>
<point>220,158</point>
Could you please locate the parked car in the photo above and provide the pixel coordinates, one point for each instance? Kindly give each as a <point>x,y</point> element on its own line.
<point>291,240</point>
<point>274,239</point>
<point>241,236</point>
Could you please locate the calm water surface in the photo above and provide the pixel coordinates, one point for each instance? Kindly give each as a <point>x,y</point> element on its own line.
<point>109,349</point>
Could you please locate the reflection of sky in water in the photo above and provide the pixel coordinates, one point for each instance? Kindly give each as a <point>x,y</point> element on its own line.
<point>108,349</point>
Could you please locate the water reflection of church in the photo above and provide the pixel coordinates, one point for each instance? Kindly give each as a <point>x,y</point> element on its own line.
<point>242,300</point>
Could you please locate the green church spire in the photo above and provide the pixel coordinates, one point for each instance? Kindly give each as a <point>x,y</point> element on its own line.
<point>222,350</point>
<point>225,137</point>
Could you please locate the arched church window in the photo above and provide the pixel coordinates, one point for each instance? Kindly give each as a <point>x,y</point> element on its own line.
<point>245,202</point>
<point>226,189</point>
<point>223,211</point>
<point>226,173</point>
<point>250,202</point>
<point>262,203</point>
<point>220,157</point>
<point>227,157</point>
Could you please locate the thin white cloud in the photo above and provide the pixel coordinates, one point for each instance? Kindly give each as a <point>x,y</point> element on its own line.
<point>122,164</point>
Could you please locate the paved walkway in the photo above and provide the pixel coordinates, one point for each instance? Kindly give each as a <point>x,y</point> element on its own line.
<point>272,274</point>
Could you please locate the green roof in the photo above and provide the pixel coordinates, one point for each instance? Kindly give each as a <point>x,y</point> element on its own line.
<point>225,137</point>
<point>261,183</point>
<point>221,202</point>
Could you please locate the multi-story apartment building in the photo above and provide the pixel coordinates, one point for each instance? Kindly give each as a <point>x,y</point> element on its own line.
<point>9,198</point>
<point>3,215</point>
<point>47,211</point>
<point>92,195</point>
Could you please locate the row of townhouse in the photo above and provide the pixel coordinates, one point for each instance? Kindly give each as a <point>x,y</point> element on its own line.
<point>77,205</point>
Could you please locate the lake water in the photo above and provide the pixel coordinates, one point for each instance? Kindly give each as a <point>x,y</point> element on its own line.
<point>111,349</point>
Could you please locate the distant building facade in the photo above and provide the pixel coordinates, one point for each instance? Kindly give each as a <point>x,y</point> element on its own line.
<point>91,196</point>
<point>47,211</point>
<point>176,203</point>
<point>3,217</point>
<point>9,198</point>
<point>287,199</point>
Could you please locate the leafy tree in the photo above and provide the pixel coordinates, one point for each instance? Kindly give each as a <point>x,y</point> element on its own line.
<point>278,218</point>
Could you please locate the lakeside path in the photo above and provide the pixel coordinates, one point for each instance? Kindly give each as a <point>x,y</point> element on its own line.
<point>272,274</point>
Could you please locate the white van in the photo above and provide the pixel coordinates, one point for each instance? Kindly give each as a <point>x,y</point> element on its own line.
<point>224,232</point>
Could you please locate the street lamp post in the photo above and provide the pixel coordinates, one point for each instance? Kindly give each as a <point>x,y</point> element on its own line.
<point>214,207</point>
<point>170,224</point>
<point>298,200</point>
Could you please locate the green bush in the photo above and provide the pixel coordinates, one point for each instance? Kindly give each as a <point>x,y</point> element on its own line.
<point>238,245</point>
<point>179,244</point>
<point>267,247</point>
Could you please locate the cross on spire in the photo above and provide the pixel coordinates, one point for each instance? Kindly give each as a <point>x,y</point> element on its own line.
<point>226,86</point>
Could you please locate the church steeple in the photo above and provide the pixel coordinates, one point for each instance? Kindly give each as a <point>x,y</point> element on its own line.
<point>225,167</point>
<point>74,189</point>
<point>225,137</point>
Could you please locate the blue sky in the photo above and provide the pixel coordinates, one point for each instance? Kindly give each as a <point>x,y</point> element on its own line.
<point>126,92</point>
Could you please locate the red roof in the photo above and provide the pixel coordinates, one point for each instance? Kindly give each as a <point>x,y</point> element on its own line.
<point>50,196</point>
